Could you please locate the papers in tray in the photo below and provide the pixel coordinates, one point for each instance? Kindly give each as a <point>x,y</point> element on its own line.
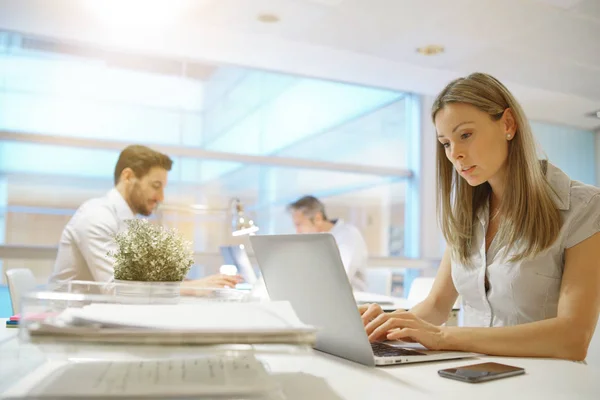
<point>218,376</point>
<point>209,376</point>
<point>201,323</point>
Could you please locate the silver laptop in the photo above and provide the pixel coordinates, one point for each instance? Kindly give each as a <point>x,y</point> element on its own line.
<point>307,271</point>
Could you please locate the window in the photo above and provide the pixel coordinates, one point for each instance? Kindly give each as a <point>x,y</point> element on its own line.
<point>267,138</point>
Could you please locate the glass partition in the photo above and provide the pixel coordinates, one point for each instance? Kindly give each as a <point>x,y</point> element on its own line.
<point>271,137</point>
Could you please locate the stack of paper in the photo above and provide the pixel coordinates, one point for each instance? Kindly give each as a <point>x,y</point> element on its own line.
<point>215,376</point>
<point>201,323</point>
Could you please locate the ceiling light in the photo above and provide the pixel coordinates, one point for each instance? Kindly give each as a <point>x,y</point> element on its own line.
<point>430,50</point>
<point>593,114</point>
<point>598,114</point>
<point>268,18</point>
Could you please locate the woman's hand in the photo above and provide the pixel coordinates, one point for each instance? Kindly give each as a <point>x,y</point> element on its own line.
<point>368,312</point>
<point>405,326</point>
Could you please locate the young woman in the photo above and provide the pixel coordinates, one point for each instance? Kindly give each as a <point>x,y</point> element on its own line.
<point>523,243</point>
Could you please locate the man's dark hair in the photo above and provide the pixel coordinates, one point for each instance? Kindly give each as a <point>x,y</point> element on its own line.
<point>310,206</point>
<point>141,160</point>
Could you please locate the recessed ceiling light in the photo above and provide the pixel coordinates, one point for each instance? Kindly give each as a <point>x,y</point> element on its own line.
<point>430,50</point>
<point>268,18</point>
<point>598,114</point>
<point>593,114</point>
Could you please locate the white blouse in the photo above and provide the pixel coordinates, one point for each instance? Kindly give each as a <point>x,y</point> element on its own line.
<point>528,290</point>
<point>353,251</point>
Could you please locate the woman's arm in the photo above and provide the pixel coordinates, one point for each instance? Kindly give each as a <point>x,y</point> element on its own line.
<point>566,336</point>
<point>435,308</point>
<point>438,304</point>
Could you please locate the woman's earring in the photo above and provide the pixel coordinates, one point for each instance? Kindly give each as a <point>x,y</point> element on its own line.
<point>508,136</point>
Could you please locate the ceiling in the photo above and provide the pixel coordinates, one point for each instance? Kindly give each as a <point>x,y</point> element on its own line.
<point>546,51</point>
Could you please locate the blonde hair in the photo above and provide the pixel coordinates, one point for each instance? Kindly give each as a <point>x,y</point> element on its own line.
<point>531,219</point>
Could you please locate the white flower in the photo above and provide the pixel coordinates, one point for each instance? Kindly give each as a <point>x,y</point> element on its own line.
<point>148,252</point>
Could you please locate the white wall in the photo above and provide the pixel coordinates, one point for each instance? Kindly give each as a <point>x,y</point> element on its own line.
<point>432,243</point>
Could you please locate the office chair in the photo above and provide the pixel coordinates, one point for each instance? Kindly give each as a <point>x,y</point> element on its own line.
<point>20,281</point>
<point>379,281</point>
<point>419,289</point>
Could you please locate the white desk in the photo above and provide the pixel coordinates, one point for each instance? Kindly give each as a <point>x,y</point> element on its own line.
<point>314,375</point>
<point>6,333</point>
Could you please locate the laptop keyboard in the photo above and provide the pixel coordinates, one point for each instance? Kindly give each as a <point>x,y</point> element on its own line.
<point>385,350</point>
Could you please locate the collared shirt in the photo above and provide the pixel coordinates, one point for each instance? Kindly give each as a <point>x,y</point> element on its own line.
<point>353,250</point>
<point>528,290</point>
<point>88,237</point>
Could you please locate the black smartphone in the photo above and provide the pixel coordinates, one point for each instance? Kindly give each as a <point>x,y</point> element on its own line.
<point>481,372</point>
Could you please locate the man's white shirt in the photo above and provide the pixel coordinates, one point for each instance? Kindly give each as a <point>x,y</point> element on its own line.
<point>353,250</point>
<point>89,237</point>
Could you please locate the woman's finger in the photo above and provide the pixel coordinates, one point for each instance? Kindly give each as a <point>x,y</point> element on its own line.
<point>383,329</point>
<point>372,312</point>
<point>404,334</point>
<point>374,323</point>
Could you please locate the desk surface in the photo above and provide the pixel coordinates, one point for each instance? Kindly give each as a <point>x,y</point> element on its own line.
<point>313,374</point>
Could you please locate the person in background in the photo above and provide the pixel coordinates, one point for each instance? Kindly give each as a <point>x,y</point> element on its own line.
<point>523,238</point>
<point>308,214</point>
<point>140,179</point>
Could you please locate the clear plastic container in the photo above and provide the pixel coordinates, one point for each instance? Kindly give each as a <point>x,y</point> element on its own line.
<point>47,364</point>
<point>153,292</point>
<point>31,371</point>
<point>122,315</point>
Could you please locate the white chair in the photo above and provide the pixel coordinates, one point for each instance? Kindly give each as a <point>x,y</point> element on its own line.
<point>379,280</point>
<point>20,281</point>
<point>419,289</point>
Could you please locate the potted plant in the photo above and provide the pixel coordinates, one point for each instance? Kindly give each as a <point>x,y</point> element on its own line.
<point>150,261</point>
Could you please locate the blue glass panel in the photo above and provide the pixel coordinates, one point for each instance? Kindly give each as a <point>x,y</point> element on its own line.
<point>562,143</point>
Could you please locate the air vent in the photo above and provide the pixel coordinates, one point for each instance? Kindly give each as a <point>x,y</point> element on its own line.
<point>48,46</point>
